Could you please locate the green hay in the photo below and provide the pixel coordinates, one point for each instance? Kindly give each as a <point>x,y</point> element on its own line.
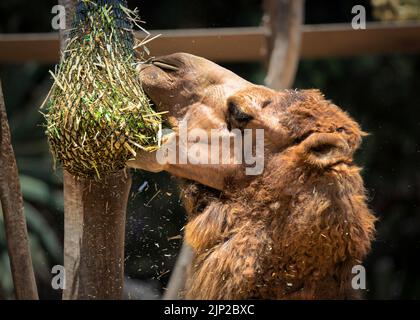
<point>98,116</point>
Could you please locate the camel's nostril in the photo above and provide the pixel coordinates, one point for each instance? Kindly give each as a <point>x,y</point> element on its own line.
<point>236,117</point>
<point>165,66</point>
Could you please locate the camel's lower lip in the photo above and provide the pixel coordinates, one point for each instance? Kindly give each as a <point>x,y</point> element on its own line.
<point>151,102</point>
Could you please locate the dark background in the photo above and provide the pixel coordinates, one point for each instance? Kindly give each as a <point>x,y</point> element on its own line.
<point>380,92</point>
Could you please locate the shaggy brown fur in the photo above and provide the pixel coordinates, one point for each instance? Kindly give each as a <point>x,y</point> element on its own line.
<point>293,232</point>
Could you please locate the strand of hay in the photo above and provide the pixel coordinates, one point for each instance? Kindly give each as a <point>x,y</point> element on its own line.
<point>97,115</point>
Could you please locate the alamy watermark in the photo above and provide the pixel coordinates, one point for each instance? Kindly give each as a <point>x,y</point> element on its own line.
<point>58,22</point>
<point>199,146</point>
<point>359,20</point>
<point>358,282</point>
<point>59,280</point>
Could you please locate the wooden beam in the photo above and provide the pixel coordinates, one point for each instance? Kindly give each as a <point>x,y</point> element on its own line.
<point>340,40</point>
<point>32,47</point>
<point>284,19</point>
<point>222,44</point>
<point>240,44</point>
<point>230,44</point>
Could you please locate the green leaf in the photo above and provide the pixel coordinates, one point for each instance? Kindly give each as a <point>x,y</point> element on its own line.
<point>34,189</point>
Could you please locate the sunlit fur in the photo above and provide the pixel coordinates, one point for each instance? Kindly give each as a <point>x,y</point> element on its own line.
<point>293,232</point>
<point>296,231</point>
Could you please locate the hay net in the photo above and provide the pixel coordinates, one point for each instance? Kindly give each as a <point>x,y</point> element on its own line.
<point>97,115</point>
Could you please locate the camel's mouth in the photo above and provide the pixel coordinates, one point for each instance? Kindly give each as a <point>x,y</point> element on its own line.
<point>186,182</point>
<point>153,105</point>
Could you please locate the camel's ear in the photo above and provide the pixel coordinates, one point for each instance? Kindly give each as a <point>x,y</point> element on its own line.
<point>324,149</point>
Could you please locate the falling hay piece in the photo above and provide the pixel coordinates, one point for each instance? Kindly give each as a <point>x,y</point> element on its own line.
<point>98,116</point>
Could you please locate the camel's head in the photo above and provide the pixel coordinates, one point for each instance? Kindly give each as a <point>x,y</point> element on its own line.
<point>204,95</point>
<point>315,221</point>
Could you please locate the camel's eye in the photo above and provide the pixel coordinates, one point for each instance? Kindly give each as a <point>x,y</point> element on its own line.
<point>236,117</point>
<point>266,103</point>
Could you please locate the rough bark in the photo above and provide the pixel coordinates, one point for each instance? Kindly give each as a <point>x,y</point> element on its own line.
<point>94,229</point>
<point>94,219</point>
<point>284,19</point>
<point>14,217</point>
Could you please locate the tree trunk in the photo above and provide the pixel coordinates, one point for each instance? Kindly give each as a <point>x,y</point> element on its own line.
<point>70,6</point>
<point>14,217</point>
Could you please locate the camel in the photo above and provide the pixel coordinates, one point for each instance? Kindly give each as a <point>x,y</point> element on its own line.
<point>296,230</point>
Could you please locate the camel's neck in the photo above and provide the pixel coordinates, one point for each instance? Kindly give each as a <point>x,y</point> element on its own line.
<point>296,237</point>
<point>320,228</point>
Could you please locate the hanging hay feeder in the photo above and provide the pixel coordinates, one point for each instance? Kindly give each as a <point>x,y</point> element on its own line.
<point>98,116</point>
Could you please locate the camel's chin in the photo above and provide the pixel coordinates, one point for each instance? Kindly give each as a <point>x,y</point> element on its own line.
<point>203,187</point>
<point>197,196</point>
